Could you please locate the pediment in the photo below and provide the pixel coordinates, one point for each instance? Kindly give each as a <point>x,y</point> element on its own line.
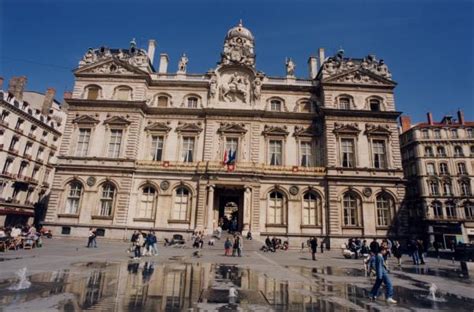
<point>117,120</point>
<point>189,127</point>
<point>377,130</point>
<point>360,77</point>
<point>346,128</point>
<point>85,119</point>
<point>232,128</point>
<point>158,127</point>
<point>112,66</point>
<point>305,131</point>
<point>275,131</point>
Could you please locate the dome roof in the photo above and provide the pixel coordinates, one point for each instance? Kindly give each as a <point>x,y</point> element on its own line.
<point>239,31</point>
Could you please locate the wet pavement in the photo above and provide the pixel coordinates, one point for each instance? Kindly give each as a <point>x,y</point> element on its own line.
<point>148,285</point>
<point>177,282</point>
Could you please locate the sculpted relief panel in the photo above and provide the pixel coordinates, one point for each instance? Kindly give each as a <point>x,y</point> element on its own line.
<point>235,88</point>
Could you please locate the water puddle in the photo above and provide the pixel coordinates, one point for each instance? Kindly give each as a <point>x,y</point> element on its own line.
<point>150,286</point>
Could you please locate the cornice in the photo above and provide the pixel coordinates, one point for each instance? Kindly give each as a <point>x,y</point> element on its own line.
<point>358,113</point>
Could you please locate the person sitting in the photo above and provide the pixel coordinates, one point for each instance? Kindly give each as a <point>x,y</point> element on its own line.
<point>249,235</point>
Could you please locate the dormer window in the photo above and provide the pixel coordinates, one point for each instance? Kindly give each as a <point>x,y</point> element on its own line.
<point>344,103</point>
<point>162,101</point>
<point>92,92</point>
<point>374,105</point>
<point>192,102</point>
<point>123,93</point>
<point>275,105</point>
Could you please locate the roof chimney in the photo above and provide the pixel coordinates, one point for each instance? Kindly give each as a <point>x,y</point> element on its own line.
<point>430,118</point>
<point>16,86</point>
<point>321,56</point>
<point>151,50</point>
<point>313,67</point>
<point>67,95</point>
<point>48,101</point>
<point>405,122</point>
<point>163,69</point>
<point>460,117</point>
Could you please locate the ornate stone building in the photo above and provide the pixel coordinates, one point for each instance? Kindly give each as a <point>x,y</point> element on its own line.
<point>144,149</point>
<point>31,125</point>
<point>439,165</point>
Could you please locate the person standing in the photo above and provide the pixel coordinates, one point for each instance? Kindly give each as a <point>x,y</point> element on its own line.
<point>414,252</point>
<point>436,248</point>
<point>374,246</point>
<point>322,246</point>
<point>239,245</point>
<point>138,246</point>
<point>381,274</point>
<point>397,252</point>
<point>314,247</point>
<point>227,247</point>
<point>91,242</point>
<point>421,250</point>
<point>94,238</point>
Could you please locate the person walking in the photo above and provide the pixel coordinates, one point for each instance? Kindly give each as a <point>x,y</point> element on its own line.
<point>91,241</point>
<point>421,250</point>
<point>374,246</point>
<point>314,247</point>
<point>227,246</point>
<point>322,246</point>
<point>414,252</point>
<point>381,274</point>
<point>138,245</point>
<point>397,252</point>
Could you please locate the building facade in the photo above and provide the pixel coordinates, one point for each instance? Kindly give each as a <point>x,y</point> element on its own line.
<point>438,159</point>
<point>177,152</point>
<point>30,133</point>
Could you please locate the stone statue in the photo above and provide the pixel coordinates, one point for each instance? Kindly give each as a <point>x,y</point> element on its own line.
<point>290,67</point>
<point>213,87</point>
<point>257,88</point>
<point>183,62</point>
<point>236,88</point>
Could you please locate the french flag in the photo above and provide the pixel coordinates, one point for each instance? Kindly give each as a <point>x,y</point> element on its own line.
<point>226,158</point>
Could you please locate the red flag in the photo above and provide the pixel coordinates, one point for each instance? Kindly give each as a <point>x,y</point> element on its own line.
<point>226,159</point>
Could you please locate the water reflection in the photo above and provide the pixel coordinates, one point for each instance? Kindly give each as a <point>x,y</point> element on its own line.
<point>139,286</point>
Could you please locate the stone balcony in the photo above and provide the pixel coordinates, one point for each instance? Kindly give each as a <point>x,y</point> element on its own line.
<point>216,167</point>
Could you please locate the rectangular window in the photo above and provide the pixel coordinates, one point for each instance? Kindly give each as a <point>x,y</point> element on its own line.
<point>275,152</point>
<point>347,148</point>
<point>450,211</point>
<point>454,133</point>
<point>18,124</point>
<point>469,133</point>
<point>306,154</point>
<point>35,172</point>
<point>188,149</point>
<point>39,154</point>
<point>22,168</point>
<point>83,142</point>
<point>437,134</point>
<point>46,175</point>
<point>379,154</point>
<point>27,151</point>
<point>13,143</point>
<point>115,142</point>
<point>425,134</point>
<point>157,148</point>
<point>430,169</point>
<point>4,116</point>
<point>7,165</point>
<point>32,130</point>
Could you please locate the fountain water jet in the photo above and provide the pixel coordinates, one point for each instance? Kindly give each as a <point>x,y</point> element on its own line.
<point>23,282</point>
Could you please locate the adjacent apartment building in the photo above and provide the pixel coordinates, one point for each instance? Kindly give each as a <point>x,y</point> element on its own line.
<point>31,125</point>
<point>438,159</point>
<point>175,152</point>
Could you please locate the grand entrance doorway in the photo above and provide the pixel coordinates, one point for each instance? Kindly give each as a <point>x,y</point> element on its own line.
<point>230,211</point>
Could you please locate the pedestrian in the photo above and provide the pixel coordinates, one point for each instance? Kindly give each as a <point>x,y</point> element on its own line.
<point>151,244</point>
<point>90,238</point>
<point>397,252</point>
<point>227,246</point>
<point>414,252</point>
<point>232,295</point>
<point>314,247</point>
<point>421,250</point>
<point>238,244</point>
<point>138,243</point>
<point>436,248</point>
<point>322,246</point>
<point>374,246</point>
<point>381,274</point>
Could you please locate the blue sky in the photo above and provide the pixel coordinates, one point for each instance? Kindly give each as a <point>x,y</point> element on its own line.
<point>427,44</point>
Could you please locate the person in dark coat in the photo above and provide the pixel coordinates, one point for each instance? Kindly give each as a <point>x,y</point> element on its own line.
<point>397,252</point>
<point>314,247</point>
<point>374,246</point>
<point>421,250</point>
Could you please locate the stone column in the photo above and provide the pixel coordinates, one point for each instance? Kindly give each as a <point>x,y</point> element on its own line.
<point>210,208</point>
<point>247,208</point>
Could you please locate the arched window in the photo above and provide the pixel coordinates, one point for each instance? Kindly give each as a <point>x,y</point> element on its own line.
<point>351,204</point>
<point>440,151</point>
<point>93,92</point>
<point>344,102</point>
<point>275,208</point>
<point>462,168</point>
<point>472,150</point>
<point>374,105</point>
<point>305,107</point>
<point>162,101</point>
<point>192,102</point>
<point>123,93</point>
<point>74,192</point>
<point>384,209</point>
<point>465,188</point>
<point>437,209</point>
<point>311,204</point>
<point>434,187</point>
<point>182,202</point>
<point>275,105</point>
<point>458,151</point>
<point>147,202</point>
<point>447,189</point>
<point>450,210</point>
<point>107,200</point>
<point>430,169</point>
<point>443,168</point>
<point>429,151</point>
